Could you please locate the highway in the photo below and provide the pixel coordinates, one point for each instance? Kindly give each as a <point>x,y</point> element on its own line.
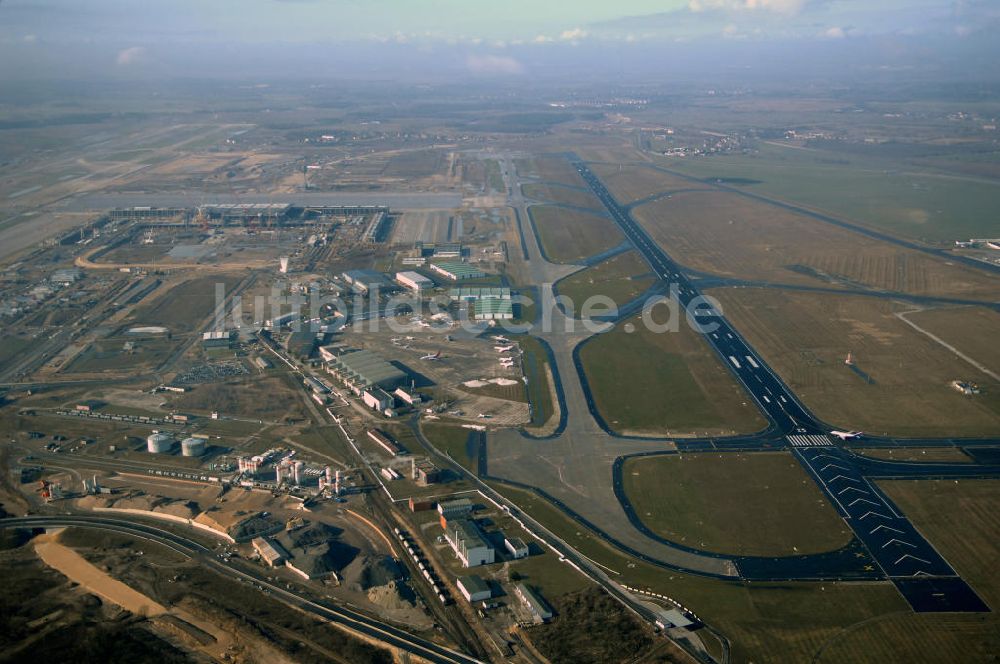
<point>353,620</point>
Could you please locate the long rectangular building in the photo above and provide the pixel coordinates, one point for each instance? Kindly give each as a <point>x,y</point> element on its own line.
<point>362,368</point>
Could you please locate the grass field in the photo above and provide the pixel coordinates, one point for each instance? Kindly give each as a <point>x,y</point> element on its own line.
<point>551,169</point>
<point>723,233</point>
<point>765,622</point>
<point>666,384</point>
<point>535,362</point>
<point>622,278</point>
<point>972,330</point>
<point>553,193</point>
<point>629,183</point>
<point>452,440</point>
<point>268,398</point>
<point>185,306</point>
<point>917,454</point>
<point>805,337</point>
<point>760,504</point>
<point>971,543</point>
<point>108,354</point>
<point>889,194</point>
<point>569,236</point>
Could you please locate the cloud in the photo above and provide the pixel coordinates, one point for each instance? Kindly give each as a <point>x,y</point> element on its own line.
<point>574,35</point>
<point>836,32</point>
<point>542,39</point>
<point>493,64</point>
<point>29,39</point>
<point>776,6</point>
<point>130,56</point>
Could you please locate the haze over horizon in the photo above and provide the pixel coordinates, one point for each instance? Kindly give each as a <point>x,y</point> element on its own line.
<point>115,39</point>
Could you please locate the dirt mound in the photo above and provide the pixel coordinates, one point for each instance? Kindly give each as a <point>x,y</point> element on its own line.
<point>371,571</point>
<point>393,596</point>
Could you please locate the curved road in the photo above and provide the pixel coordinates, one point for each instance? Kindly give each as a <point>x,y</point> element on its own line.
<point>353,620</point>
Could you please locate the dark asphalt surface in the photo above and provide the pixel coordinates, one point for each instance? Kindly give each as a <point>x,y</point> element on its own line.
<point>887,545</point>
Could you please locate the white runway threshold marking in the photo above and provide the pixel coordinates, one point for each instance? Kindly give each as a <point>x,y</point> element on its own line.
<point>810,441</point>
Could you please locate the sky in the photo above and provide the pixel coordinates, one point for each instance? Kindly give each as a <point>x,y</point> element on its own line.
<point>499,37</point>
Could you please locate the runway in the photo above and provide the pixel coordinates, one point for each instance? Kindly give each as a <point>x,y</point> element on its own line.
<point>892,546</point>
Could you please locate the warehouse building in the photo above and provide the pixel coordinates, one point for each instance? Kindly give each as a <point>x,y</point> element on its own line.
<point>472,293</point>
<point>385,442</point>
<point>455,509</point>
<point>270,552</point>
<point>217,338</point>
<point>468,543</point>
<point>473,588</point>
<point>439,250</point>
<point>414,281</point>
<point>494,309</point>
<point>516,547</point>
<point>425,473</point>
<point>457,271</point>
<point>366,281</point>
<point>377,399</point>
<point>361,369</point>
<point>535,603</point>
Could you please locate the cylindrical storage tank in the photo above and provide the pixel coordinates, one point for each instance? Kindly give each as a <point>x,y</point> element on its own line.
<point>297,471</point>
<point>159,443</point>
<point>192,447</point>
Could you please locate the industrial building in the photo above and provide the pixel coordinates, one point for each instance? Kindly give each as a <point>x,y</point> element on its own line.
<point>439,250</point>
<point>270,551</point>
<point>386,443</point>
<point>301,343</point>
<point>361,369</point>
<point>414,281</point>
<point>494,309</point>
<point>66,276</point>
<point>455,509</point>
<point>377,399</point>
<point>407,396</point>
<point>516,547</point>
<point>457,271</point>
<point>366,281</point>
<point>468,543</point>
<point>472,293</point>
<point>424,472</point>
<point>535,603</point>
<point>473,588</point>
<point>217,338</point>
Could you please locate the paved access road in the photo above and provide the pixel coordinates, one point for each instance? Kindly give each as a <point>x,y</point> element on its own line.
<point>353,620</point>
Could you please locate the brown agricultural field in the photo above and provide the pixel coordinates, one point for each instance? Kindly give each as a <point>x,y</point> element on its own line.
<point>726,234</point>
<point>806,337</point>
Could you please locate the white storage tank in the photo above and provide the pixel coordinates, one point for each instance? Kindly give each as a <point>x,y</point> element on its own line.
<point>192,447</point>
<point>159,442</point>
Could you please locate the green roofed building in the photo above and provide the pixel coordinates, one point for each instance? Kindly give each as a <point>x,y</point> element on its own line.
<point>469,293</point>
<point>457,271</point>
<point>494,309</point>
<point>361,369</point>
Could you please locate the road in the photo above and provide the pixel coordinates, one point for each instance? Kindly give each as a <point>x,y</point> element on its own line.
<point>353,620</point>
